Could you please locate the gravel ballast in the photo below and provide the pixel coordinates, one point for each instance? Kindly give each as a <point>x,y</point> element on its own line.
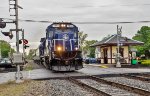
<point>130,82</point>
<point>56,88</point>
<point>107,88</point>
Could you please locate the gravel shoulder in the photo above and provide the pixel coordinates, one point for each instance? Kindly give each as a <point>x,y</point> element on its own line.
<point>43,88</point>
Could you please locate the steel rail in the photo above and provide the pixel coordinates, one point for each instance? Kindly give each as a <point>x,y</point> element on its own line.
<point>122,86</point>
<point>87,87</point>
<point>141,78</point>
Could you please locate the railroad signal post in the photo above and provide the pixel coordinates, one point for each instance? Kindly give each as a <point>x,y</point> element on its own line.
<point>119,32</point>
<point>13,5</point>
<point>24,42</point>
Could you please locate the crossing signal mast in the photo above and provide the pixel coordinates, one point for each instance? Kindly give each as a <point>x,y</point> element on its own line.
<point>119,32</point>
<point>13,5</point>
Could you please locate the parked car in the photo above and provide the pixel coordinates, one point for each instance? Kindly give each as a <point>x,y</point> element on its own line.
<point>90,60</point>
<point>6,63</point>
<point>0,59</point>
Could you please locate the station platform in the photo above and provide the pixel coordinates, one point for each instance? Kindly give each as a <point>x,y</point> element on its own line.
<point>114,65</point>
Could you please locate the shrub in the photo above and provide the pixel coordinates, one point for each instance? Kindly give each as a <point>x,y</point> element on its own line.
<point>145,62</point>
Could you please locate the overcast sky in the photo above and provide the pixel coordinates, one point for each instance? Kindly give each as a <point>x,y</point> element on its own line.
<point>78,11</point>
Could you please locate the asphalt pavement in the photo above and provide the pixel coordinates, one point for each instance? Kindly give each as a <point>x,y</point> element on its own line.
<point>40,72</point>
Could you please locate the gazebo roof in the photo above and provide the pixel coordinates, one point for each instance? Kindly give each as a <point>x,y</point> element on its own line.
<point>112,40</point>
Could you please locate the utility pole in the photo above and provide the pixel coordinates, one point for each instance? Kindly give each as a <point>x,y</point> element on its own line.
<point>119,31</point>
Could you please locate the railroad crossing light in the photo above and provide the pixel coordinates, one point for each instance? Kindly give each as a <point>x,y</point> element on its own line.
<point>25,41</point>
<point>20,42</point>
<point>2,24</point>
<point>8,34</point>
<point>25,46</point>
<point>5,33</point>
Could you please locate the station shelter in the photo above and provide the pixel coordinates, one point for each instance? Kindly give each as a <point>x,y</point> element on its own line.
<point>106,50</point>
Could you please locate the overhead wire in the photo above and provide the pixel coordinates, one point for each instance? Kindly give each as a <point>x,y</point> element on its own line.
<point>111,5</point>
<point>122,22</point>
<point>83,22</point>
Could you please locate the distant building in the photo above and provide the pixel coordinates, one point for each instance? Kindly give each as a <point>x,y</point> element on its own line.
<point>106,49</point>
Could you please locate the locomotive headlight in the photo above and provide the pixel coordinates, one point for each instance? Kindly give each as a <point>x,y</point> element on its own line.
<point>59,48</point>
<point>76,48</point>
<point>63,25</point>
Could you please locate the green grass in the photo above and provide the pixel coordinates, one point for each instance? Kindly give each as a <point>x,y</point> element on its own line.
<point>145,62</point>
<point>28,67</point>
<point>12,89</point>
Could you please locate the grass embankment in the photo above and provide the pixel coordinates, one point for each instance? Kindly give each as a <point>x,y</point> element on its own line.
<point>145,62</point>
<point>12,89</point>
<point>28,67</point>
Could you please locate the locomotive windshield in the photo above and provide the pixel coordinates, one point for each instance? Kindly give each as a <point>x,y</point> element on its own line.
<point>63,30</point>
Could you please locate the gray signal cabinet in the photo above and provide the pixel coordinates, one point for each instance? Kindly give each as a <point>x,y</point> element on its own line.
<point>18,58</point>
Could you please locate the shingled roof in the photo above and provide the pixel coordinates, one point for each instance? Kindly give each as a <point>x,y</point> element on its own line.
<point>112,40</point>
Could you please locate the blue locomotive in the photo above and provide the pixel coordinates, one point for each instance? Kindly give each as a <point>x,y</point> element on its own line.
<point>59,51</point>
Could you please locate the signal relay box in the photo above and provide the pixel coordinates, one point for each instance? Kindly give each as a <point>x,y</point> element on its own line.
<point>18,58</point>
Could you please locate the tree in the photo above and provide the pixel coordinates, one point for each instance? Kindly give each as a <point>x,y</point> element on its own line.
<point>143,35</point>
<point>82,38</point>
<point>5,49</point>
<point>89,49</point>
<point>31,53</point>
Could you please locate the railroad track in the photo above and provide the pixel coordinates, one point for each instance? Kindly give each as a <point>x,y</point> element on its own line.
<point>145,78</point>
<point>103,87</point>
<point>146,75</point>
<point>117,89</point>
<point>87,87</point>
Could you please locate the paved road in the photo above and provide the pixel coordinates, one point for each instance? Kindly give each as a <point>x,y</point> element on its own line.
<point>88,69</point>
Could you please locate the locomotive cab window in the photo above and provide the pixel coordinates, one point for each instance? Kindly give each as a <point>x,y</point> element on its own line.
<point>62,30</point>
<point>75,34</point>
<point>51,34</point>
